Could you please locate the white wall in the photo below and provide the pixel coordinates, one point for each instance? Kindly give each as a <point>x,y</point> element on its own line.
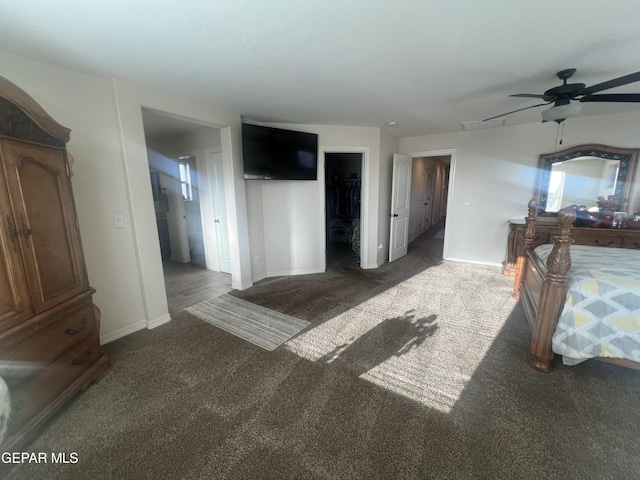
<point>273,228</point>
<point>112,177</point>
<point>130,101</point>
<point>286,218</point>
<point>84,104</point>
<point>496,170</point>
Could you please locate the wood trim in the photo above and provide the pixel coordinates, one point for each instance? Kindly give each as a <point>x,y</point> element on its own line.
<point>31,109</point>
<point>603,152</point>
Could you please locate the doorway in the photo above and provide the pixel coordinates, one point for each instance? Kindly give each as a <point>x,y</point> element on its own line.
<point>188,189</point>
<point>343,208</point>
<point>429,192</point>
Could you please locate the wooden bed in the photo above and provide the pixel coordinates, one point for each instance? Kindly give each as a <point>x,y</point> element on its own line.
<point>542,286</point>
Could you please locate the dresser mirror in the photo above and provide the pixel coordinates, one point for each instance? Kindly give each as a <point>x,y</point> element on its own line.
<point>579,175</point>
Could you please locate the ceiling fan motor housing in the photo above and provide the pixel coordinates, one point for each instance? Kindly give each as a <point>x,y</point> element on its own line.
<point>566,92</point>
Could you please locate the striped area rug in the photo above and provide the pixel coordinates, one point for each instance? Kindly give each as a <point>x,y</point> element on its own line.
<point>259,325</point>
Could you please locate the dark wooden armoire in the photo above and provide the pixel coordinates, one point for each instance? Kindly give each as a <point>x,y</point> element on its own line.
<point>49,327</point>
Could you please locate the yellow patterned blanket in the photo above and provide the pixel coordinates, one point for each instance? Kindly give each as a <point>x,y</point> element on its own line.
<point>601,316</point>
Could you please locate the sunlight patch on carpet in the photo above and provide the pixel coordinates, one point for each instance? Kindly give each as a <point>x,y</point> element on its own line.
<point>261,326</point>
<point>419,339</point>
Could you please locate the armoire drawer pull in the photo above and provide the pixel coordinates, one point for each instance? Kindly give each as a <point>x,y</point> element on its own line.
<point>71,331</point>
<point>85,359</point>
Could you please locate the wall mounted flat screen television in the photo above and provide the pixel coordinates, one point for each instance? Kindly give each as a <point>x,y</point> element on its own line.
<point>276,154</point>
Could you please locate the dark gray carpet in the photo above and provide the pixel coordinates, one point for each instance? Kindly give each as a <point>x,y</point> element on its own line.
<point>344,399</point>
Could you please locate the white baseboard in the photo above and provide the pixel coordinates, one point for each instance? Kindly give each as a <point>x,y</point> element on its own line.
<point>122,332</point>
<point>241,286</point>
<point>475,262</point>
<point>158,321</point>
<point>259,277</point>
<point>381,261</point>
<point>128,330</point>
<point>303,271</point>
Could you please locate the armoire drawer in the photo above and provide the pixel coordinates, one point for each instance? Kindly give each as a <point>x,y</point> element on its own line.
<point>27,358</point>
<point>32,397</point>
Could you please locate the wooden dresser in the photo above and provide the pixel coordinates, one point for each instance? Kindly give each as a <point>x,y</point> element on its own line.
<point>602,237</point>
<point>49,327</point>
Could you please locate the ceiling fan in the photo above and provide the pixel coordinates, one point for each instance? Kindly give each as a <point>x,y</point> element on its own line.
<point>562,96</point>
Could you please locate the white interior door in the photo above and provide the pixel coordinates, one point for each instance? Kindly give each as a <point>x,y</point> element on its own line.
<point>220,211</point>
<point>400,203</point>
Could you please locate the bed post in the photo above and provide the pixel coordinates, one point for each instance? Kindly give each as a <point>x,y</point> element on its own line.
<point>523,245</point>
<point>552,294</point>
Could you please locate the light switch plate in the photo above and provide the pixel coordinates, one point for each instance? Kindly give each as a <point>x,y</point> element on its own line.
<point>119,221</point>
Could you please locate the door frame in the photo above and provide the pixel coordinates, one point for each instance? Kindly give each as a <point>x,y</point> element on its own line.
<point>364,202</point>
<point>452,153</point>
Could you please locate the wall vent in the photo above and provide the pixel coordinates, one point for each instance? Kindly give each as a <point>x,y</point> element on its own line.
<point>480,124</point>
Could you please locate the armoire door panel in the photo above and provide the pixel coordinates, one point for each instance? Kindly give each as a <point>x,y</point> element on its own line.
<point>45,221</point>
<point>15,302</point>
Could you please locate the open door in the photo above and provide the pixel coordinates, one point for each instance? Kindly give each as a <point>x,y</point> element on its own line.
<point>220,211</point>
<point>400,195</point>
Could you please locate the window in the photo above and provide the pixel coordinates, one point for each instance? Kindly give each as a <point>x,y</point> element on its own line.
<point>185,181</point>
<point>556,191</point>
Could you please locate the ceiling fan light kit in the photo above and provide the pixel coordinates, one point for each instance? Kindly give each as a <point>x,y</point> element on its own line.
<point>561,96</point>
<point>560,112</point>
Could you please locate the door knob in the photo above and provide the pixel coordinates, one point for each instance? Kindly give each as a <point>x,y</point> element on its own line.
<point>393,215</point>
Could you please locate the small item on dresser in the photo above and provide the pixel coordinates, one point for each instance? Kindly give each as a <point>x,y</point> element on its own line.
<point>619,220</point>
<point>606,219</point>
<point>633,221</point>
<point>585,218</point>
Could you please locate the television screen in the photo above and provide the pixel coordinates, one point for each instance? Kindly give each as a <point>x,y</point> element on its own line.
<point>276,154</point>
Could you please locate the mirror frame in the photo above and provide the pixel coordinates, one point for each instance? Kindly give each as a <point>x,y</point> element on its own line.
<point>628,158</point>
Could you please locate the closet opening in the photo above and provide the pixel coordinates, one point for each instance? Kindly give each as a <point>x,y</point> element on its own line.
<point>343,195</point>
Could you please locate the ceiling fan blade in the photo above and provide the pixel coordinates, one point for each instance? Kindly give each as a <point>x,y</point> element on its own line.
<point>514,111</point>
<point>527,95</point>
<point>616,82</point>
<point>613,97</point>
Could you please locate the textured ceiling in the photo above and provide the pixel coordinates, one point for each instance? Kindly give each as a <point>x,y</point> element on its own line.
<point>428,65</point>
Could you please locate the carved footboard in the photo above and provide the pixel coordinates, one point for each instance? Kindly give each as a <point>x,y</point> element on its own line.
<point>542,287</point>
